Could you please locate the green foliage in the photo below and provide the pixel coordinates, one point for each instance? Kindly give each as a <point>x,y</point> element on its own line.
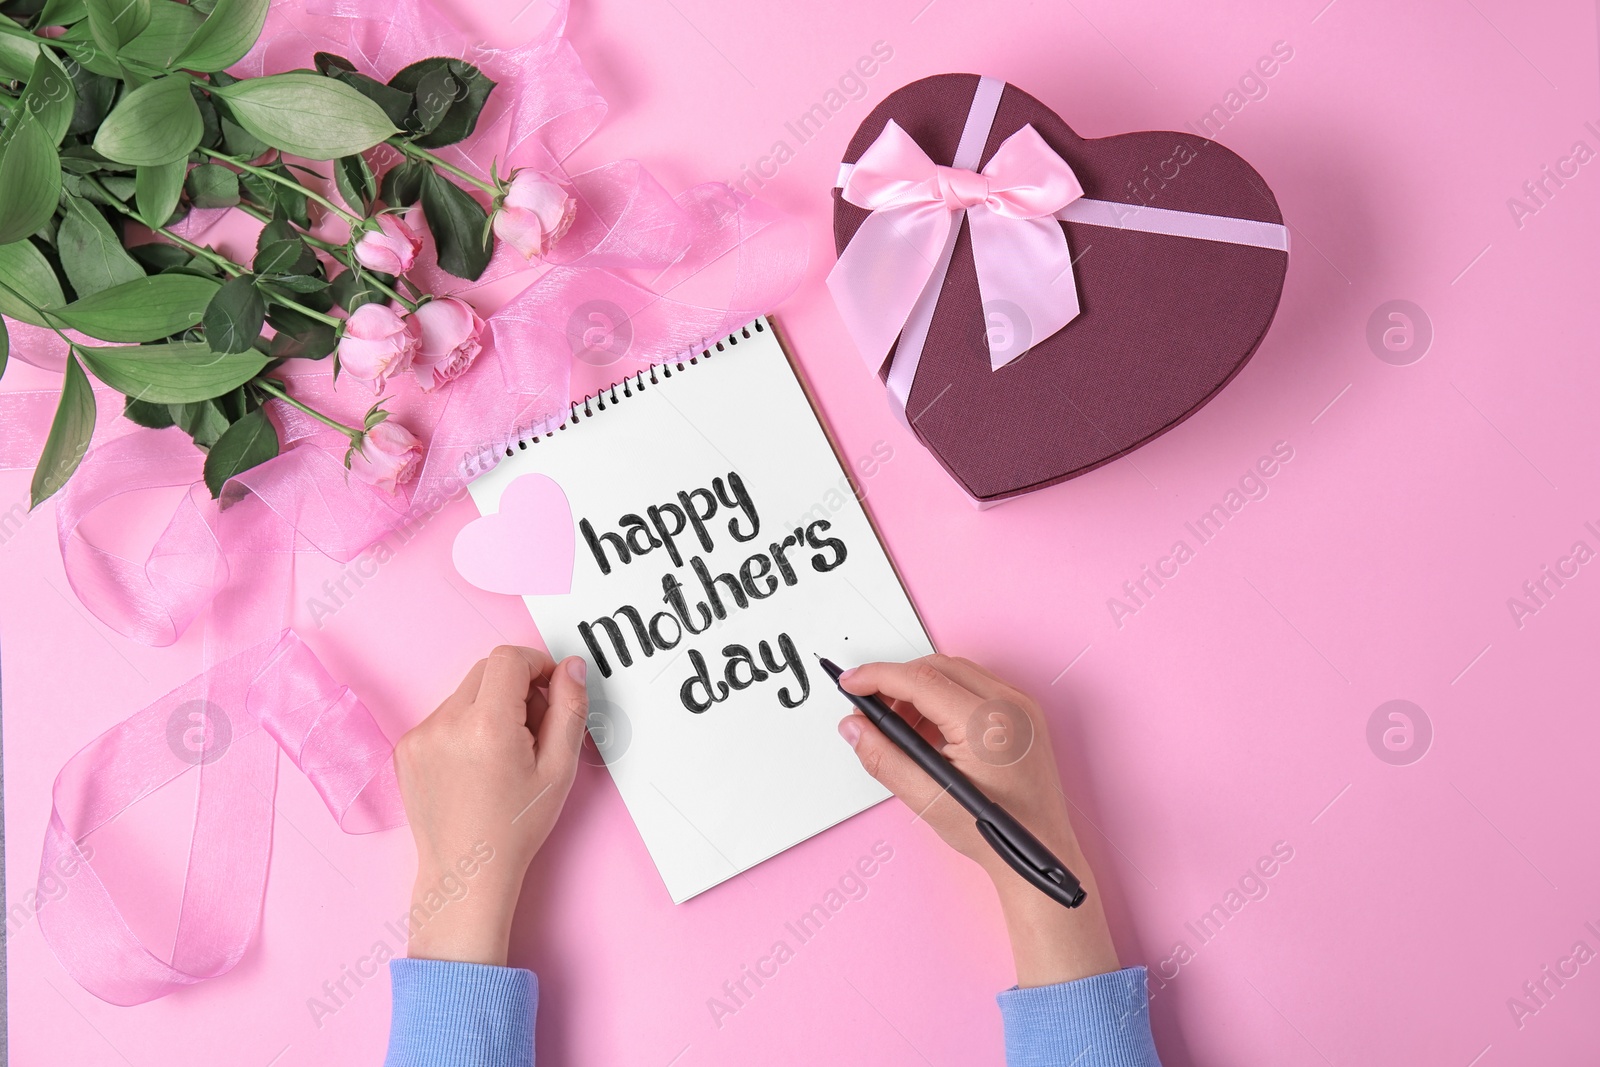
<point>234,318</point>
<point>249,442</point>
<point>156,191</point>
<point>225,36</point>
<point>113,23</point>
<point>30,176</point>
<point>129,113</point>
<point>27,283</point>
<point>447,97</point>
<point>307,114</point>
<point>146,309</point>
<point>91,252</point>
<point>177,372</point>
<point>171,26</point>
<point>156,124</point>
<point>355,181</point>
<point>68,440</point>
<point>395,103</point>
<point>212,185</point>
<point>460,226</point>
<point>49,97</point>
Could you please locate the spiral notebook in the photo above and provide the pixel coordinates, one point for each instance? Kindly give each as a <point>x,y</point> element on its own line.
<point>717,547</point>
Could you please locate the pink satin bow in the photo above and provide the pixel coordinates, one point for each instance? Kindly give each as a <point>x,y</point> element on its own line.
<point>1019,248</point>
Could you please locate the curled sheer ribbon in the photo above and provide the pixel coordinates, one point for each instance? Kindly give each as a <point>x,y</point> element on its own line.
<point>231,566</point>
<point>227,725</point>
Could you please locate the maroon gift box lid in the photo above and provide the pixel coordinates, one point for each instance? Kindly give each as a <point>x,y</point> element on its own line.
<point>1166,320</point>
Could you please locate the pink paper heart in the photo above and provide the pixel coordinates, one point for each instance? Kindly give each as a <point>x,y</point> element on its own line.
<point>526,547</point>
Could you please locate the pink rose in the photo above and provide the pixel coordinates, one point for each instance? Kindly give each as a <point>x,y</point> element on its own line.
<point>535,213</point>
<point>376,343</point>
<point>388,457</point>
<point>449,330</point>
<point>391,248</point>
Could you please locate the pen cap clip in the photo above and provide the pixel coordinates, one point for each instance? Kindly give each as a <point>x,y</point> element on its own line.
<point>1054,881</point>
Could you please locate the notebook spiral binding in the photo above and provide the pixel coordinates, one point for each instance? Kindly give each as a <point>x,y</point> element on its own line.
<point>524,437</point>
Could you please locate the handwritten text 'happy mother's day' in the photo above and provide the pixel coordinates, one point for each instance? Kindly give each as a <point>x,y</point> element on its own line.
<point>685,526</point>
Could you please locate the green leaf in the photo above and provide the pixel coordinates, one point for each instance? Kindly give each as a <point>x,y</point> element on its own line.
<point>30,175</point>
<point>434,93</point>
<point>91,252</point>
<point>171,27</point>
<point>120,186</point>
<point>178,372</point>
<point>459,224</point>
<point>277,229</point>
<point>27,282</point>
<point>449,96</point>
<point>95,94</point>
<point>156,190</point>
<point>356,183</point>
<point>303,284</point>
<point>213,185</point>
<point>227,34</point>
<point>247,443</point>
<point>158,256</point>
<point>210,119</point>
<point>49,97</point>
<point>235,315</point>
<point>354,288</point>
<point>402,186</point>
<point>203,420</point>
<point>69,435</point>
<point>62,13</point>
<point>239,142</point>
<point>307,114</point>
<point>5,347</point>
<point>114,23</point>
<point>299,335</point>
<point>290,201</point>
<point>152,126</point>
<point>144,310</point>
<point>284,257</point>
<point>19,52</point>
<point>396,104</point>
<point>144,413</point>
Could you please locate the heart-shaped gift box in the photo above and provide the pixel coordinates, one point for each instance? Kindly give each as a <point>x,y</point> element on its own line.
<point>1172,268</point>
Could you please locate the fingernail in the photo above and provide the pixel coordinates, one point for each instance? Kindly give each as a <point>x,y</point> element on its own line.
<point>578,669</point>
<point>850,730</point>
<point>845,676</point>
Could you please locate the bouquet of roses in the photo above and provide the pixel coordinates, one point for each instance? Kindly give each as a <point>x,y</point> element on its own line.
<point>117,120</point>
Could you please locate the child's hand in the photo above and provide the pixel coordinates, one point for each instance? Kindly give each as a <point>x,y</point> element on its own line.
<point>999,739</point>
<point>484,778</point>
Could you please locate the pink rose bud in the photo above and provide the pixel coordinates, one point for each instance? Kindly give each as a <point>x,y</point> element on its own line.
<point>377,343</point>
<point>535,213</point>
<point>388,458</point>
<point>391,248</point>
<point>449,331</point>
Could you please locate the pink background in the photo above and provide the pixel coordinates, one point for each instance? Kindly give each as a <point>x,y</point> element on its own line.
<point>1228,714</point>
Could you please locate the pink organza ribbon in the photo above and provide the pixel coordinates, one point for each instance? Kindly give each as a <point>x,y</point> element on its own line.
<point>1018,246</point>
<point>231,567</point>
<point>227,725</point>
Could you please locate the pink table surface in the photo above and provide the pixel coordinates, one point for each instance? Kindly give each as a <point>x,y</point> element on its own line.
<point>1229,714</point>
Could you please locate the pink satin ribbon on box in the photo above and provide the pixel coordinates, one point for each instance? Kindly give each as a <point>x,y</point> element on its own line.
<point>231,569</point>
<point>888,278</point>
<point>1018,246</point>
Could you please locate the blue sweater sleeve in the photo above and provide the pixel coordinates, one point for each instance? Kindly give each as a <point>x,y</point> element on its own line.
<point>461,1015</point>
<point>1102,1021</point>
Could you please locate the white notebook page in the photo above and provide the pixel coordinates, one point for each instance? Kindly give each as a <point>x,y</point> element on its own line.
<point>717,785</point>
